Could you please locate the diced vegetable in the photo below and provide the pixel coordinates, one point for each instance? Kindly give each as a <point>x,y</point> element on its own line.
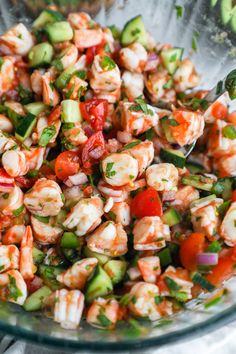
<point>134,31</point>
<point>64,77</point>
<point>36,108</point>
<point>165,257</point>
<point>199,182</point>
<point>171,58</point>
<point>59,31</point>
<point>25,127</point>
<point>146,203</point>
<point>204,283</point>
<point>173,156</point>
<point>70,111</point>
<point>70,240</point>
<point>171,217</point>
<point>38,256</point>
<point>190,248</point>
<point>47,16</point>
<point>99,285</point>
<point>49,274</point>
<point>116,270</point>
<point>102,258</point>
<point>35,301</point>
<point>40,55</point>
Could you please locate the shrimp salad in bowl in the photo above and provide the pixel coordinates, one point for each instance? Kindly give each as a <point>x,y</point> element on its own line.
<point>104,214</point>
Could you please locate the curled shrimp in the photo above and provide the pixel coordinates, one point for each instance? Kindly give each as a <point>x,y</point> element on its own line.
<point>45,198</point>
<point>226,165</point>
<point>36,81</point>
<point>158,88</point>
<point>132,84</point>
<point>45,230</point>
<point>11,202</point>
<point>80,20</point>
<point>50,95</point>
<point>85,38</point>
<point>19,39</point>
<point>6,143</point>
<point>220,145</point>
<point>162,176</point>
<point>109,239</point>
<point>76,276</point>
<point>9,257</point>
<point>75,135</point>
<point>13,234</point>
<point>103,307</point>
<point>227,228</point>
<point>120,213</point>
<point>184,197</point>
<point>133,57</point>
<point>143,153</point>
<point>75,87</point>
<point>149,268</point>
<point>27,267</point>
<point>7,183</point>
<point>14,163</point>
<point>185,76</point>
<point>13,287</point>
<point>5,123</point>
<point>7,74</point>
<point>67,57</point>
<point>118,194</point>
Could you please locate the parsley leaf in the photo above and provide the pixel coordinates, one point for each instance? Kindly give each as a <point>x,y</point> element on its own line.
<point>109,173</point>
<point>107,63</point>
<point>47,134</point>
<point>14,291</point>
<point>179,11</point>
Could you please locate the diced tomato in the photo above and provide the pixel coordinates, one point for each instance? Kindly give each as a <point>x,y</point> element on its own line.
<point>224,269</point>
<point>54,115</point>
<point>25,182</point>
<point>47,171</point>
<point>92,51</point>
<point>94,149</point>
<point>189,249</point>
<point>219,111</point>
<point>67,164</point>
<point>95,112</point>
<point>234,196</point>
<point>34,284</point>
<point>146,203</point>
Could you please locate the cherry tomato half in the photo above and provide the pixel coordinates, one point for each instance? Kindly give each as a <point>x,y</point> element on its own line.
<point>67,164</point>
<point>146,203</point>
<point>95,112</point>
<point>189,249</point>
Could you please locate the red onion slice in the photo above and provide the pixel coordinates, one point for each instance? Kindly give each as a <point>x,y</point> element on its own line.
<point>207,259</point>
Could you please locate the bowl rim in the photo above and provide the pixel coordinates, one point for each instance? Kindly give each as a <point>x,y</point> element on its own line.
<point>211,324</point>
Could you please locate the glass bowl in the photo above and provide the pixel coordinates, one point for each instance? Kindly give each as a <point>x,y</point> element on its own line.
<point>210,40</point>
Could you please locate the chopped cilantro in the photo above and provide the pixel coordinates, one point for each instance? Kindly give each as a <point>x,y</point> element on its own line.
<point>107,63</point>
<point>18,211</point>
<point>14,291</point>
<point>179,11</point>
<point>47,134</point>
<point>109,173</point>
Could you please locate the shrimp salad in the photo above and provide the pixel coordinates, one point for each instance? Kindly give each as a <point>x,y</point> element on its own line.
<point>104,214</point>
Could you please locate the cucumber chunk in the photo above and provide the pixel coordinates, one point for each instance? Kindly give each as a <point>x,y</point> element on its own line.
<point>171,217</point>
<point>99,285</point>
<point>12,113</point>
<point>116,270</point>
<point>175,157</point>
<point>70,111</point>
<point>64,77</point>
<point>49,275</point>
<point>194,167</point>
<point>165,124</point>
<point>198,181</point>
<point>102,258</point>
<point>227,10</point>
<point>59,31</point>
<point>38,256</point>
<point>34,301</point>
<point>134,31</point>
<point>70,240</point>
<point>25,127</point>
<point>171,58</point>
<point>36,108</point>
<point>40,55</point>
<point>47,16</point>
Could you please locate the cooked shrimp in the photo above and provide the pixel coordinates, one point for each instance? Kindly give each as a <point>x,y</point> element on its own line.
<point>16,107</point>
<point>75,135</point>
<point>143,153</point>
<point>218,109</point>
<point>34,157</point>
<point>13,234</point>
<point>100,308</point>
<point>228,226</point>
<point>180,277</point>
<point>119,169</point>
<point>145,305</point>
<point>113,145</point>
<point>150,233</point>
<point>11,202</point>
<point>76,276</point>
<point>7,74</point>
<point>19,39</point>
<point>132,84</point>
<point>6,143</point>
<point>133,57</point>
<point>204,216</point>
<point>80,20</point>
<point>13,287</point>
<point>5,123</point>
<point>36,81</point>
<point>218,143</point>
<point>109,239</point>
<point>69,305</point>
<point>150,268</point>
<point>136,121</point>
<point>184,197</point>
<point>159,86</point>
<point>120,213</point>
<point>45,230</point>
<point>50,95</point>
<point>188,128</point>
<point>118,194</point>
<point>110,96</point>
<point>134,274</point>
<point>85,215</point>
<point>226,165</point>
<point>27,267</point>
<point>185,76</point>
<point>14,162</point>
<point>85,38</point>
<point>9,258</point>
<point>67,57</point>
<point>44,199</point>
<point>104,76</point>
<point>162,176</point>
<point>7,183</point>
<point>75,88</point>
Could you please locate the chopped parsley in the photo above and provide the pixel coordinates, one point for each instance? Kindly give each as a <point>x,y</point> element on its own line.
<point>104,320</point>
<point>141,106</point>
<point>81,74</point>
<point>130,145</point>
<point>43,219</point>
<point>109,173</point>
<point>70,91</point>
<point>229,132</point>
<point>194,40</point>
<point>173,122</point>
<point>107,63</point>
<point>168,84</point>
<point>14,291</point>
<point>158,299</point>
<point>179,11</point>
<point>18,211</point>
<point>47,134</point>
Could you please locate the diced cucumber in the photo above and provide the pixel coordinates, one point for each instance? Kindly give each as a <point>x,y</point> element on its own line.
<point>25,127</point>
<point>40,55</point>
<point>203,200</point>
<point>134,31</point>
<point>47,16</point>
<point>166,128</point>
<point>227,183</point>
<point>61,217</point>
<point>99,285</point>
<point>59,31</point>
<point>36,107</point>
<point>171,217</point>
<point>34,301</point>
<point>227,10</point>
<point>102,258</point>
<point>198,279</point>
<point>233,21</point>
<point>49,275</point>
<point>175,157</point>
<point>171,58</point>
<point>72,255</point>
<point>64,77</point>
<point>198,181</point>
<point>116,270</point>
<point>38,256</point>
<point>70,240</point>
<point>165,257</point>
<point>70,111</point>
<point>12,113</point>
<point>194,167</point>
